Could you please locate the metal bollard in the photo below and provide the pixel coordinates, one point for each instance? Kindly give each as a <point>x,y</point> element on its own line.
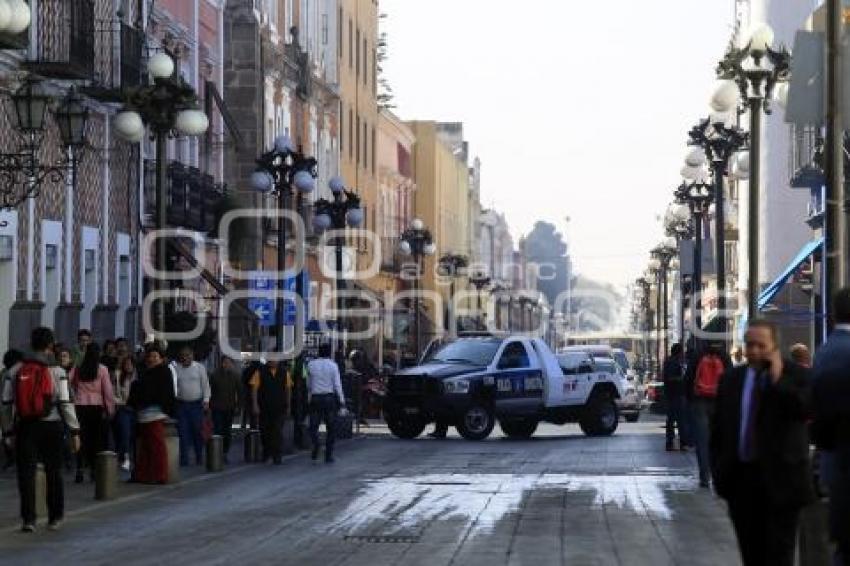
<point>215,453</point>
<point>40,491</point>
<point>252,447</point>
<point>105,475</point>
<point>172,447</point>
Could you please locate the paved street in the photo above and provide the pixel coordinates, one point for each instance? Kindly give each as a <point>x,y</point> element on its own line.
<point>560,498</point>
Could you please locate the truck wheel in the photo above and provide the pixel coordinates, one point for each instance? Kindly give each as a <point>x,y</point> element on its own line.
<point>476,423</point>
<point>518,428</point>
<point>601,416</point>
<point>405,427</point>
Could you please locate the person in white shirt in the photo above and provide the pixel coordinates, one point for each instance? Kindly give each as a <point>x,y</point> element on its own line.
<point>324,390</point>
<point>193,399</point>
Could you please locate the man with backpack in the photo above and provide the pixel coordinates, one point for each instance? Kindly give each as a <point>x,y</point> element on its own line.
<point>704,376</point>
<point>36,402</point>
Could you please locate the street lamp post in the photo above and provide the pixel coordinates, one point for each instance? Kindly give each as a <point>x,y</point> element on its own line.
<point>654,270</point>
<point>279,171</point>
<point>417,242</point>
<point>169,105</point>
<point>645,287</point>
<point>754,69</point>
<point>344,210</point>
<point>717,142</point>
<point>664,253</point>
<point>479,280</point>
<point>697,194</point>
<point>450,265</point>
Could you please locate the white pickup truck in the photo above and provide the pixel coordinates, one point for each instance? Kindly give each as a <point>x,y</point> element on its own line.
<point>474,381</point>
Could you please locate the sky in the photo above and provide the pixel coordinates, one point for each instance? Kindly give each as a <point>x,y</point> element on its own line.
<point>577,108</point>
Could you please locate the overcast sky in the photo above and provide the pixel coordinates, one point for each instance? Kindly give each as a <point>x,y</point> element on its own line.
<point>576,108</point>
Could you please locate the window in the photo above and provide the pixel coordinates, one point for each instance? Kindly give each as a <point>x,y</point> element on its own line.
<point>350,134</point>
<point>374,72</point>
<point>350,44</point>
<point>324,29</point>
<point>51,253</point>
<point>358,52</point>
<point>339,38</point>
<point>473,351</point>
<point>374,148</point>
<point>365,62</point>
<point>365,144</point>
<point>341,127</point>
<point>514,357</point>
<point>358,140</point>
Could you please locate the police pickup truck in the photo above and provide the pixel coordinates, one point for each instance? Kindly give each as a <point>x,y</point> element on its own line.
<point>473,381</point>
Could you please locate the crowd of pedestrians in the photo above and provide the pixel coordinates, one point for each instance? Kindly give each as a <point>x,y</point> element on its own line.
<point>752,419</point>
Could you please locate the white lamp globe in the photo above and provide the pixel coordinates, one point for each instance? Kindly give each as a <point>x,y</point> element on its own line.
<point>742,164</point>
<point>336,184</point>
<point>654,264</point>
<point>674,263</point>
<point>780,94</point>
<point>695,157</point>
<point>19,16</point>
<point>761,38</point>
<point>355,217</point>
<point>404,247</point>
<point>161,66</point>
<point>430,249</point>
<point>192,122</point>
<point>129,126</point>
<point>417,224</point>
<point>693,173</point>
<point>261,181</point>
<point>669,242</point>
<point>321,222</point>
<point>5,15</point>
<point>681,212</point>
<point>711,210</point>
<point>283,144</point>
<point>725,96</point>
<point>304,181</point>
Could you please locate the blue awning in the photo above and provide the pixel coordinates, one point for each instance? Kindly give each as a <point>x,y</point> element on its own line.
<point>771,290</point>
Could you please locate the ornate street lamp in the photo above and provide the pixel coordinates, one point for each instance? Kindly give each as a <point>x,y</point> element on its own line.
<point>344,210</point>
<point>678,225</point>
<point>755,69</point>
<point>281,171</point>
<point>479,280</point>
<point>698,195</point>
<point>664,253</point>
<point>645,287</point>
<point>717,142</point>
<point>169,106</point>
<point>654,271</point>
<point>417,242</point>
<point>450,266</point>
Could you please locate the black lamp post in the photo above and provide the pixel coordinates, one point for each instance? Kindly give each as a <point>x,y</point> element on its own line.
<point>282,171</point>
<point>664,253</point>
<point>344,210</point>
<point>169,106</point>
<point>755,69</point>
<point>698,195</point>
<point>678,225</point>
<point>417,242</point>
<point>21,173</point>
<point>654,271</point>
<point>450,266</point>
<point>719,142</point>
<point>479,280</point>
<point>646,315</point>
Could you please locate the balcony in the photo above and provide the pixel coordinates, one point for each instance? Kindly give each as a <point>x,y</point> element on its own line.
<point>193,197</point>
<point>118,49</point>
<point>65,40</point>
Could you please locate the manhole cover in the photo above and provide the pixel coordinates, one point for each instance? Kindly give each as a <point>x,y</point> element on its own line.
<point>383,539</point>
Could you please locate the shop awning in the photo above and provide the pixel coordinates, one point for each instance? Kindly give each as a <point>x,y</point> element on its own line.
<point>771,290</point>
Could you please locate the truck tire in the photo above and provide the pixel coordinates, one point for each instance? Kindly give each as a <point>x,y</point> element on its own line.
<point>476,422</point>
<point>405,427</point>
<point>601,416</point>
<point>518,428</point>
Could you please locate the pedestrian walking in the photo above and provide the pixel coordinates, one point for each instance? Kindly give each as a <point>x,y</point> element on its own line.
<point>703,379</point>
<point>83,340</point>
<point>193,400</point>
<point>10,359</point>
<point>110,356</point>
<point>95,405</point>
<point>269,384</point>
<point>673,375</point>
<point>66,361</point>
<point>760,448</point>
<point>35,403</point>
<point>225,399</point>
<point>249,417</point>
<point>124,421</point>
<point>325,398</point>
<point>152,398</point>
<point>831,424</point>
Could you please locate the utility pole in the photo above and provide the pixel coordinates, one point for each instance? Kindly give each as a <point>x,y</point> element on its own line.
<point>835,207</point>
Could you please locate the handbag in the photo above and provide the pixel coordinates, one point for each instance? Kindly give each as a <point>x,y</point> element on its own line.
<point>206,428</point>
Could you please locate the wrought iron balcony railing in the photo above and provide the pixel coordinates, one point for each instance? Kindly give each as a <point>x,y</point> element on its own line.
<point>193,197</point>
<point>65,39</point>
<point>118,50</point>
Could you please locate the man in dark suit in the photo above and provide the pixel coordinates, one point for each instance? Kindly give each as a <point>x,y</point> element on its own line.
<point>760,448</point>
<point>831,425</point>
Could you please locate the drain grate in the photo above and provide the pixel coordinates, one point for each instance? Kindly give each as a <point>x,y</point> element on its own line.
<point>383,539</point>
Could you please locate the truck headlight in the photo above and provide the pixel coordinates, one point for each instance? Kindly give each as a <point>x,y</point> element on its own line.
<point>456,386</point>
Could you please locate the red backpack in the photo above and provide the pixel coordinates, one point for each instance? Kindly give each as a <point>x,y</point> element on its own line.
<point>709,370</point>
<point>33,391</point>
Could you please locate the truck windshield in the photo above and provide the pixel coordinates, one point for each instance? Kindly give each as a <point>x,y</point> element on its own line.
<point>473,352</point>
<point>622,360</point>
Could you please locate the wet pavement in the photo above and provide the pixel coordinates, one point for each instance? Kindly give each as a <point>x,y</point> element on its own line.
<point>559,498</point>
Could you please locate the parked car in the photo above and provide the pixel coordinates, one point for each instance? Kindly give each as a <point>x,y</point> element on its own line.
<point>474,381</point>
